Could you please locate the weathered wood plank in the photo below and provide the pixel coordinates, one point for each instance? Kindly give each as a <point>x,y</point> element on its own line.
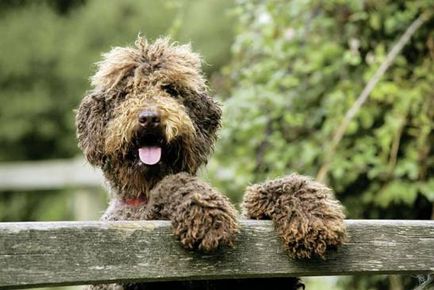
<point>49,174</point>
<point>62,253</point>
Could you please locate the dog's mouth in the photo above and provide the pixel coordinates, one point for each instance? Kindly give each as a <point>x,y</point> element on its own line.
<point>149,150</point>
<point>150,155</point>
<point>149,147</point>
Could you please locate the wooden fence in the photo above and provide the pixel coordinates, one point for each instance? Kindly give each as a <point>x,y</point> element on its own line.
<point>49,174</point>
<point>75,174</point>
<point>70,253</point>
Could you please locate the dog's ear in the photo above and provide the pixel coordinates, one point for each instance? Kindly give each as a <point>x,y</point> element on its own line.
<point>212,113</point>
<point>89,122</point>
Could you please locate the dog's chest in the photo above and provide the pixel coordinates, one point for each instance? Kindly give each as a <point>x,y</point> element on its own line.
<point>122,211</point>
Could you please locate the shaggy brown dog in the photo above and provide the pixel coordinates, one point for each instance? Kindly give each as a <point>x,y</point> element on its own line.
<point>149,124</point>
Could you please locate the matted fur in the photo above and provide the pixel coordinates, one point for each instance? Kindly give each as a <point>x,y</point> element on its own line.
<point>130,80</point>
<point>305,213</point>
<point>176,63</point>
<point>121,129</point>
<point>167,79</point>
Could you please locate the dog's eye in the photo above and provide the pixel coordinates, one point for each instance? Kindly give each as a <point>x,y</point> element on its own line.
<point>122,96</point>
<point>171,90</point>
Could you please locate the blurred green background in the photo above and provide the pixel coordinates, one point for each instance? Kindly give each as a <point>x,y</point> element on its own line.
<point>286,73</point>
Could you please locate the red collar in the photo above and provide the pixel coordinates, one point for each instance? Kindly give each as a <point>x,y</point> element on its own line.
<point>141,200</point>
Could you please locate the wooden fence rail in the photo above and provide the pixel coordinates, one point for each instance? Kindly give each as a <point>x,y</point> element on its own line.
<point>48,174</point>
<point>68,253</point>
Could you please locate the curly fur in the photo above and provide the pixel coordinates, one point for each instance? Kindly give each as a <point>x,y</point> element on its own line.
<point>304,212</point>
<point>166,79</point>
<point>201,216</point>
<point>130,80</point>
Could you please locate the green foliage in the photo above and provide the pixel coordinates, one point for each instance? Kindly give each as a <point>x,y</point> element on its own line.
<point>39,206</point>
<point>297,68</point>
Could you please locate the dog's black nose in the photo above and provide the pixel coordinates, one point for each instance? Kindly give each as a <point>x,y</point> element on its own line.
<point>149,119</point>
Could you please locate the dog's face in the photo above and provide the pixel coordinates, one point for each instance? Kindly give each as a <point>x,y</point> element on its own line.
<point>148,114</point>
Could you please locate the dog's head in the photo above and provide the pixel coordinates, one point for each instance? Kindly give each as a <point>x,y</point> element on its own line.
<point>149,113</point>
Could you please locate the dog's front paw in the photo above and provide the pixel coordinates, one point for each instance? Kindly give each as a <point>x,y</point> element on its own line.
<point>306,236</point>
<point>309,219</point>
<point>205,223</point>
<point>305,213</point>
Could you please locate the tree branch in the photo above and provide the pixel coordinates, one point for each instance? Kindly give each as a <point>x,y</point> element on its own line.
<point>390,58</point>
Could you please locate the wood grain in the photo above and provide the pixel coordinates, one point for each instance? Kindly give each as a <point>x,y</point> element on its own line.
<point>67,253</point>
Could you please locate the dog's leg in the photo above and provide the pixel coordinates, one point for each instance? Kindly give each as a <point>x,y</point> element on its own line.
<point>305,213</point>
<point>201,217</point>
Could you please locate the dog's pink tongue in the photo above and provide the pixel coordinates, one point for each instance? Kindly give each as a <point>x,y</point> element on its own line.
<point>150,155</point>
